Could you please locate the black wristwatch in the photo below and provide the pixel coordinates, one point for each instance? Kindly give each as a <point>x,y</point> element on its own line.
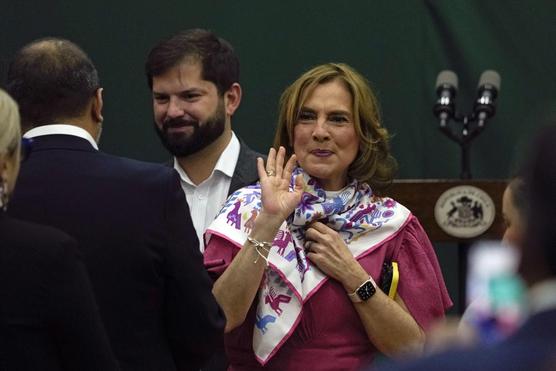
<point>363,292</point>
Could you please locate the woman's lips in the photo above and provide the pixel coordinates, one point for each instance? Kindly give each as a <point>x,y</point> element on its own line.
<point>321,152</point>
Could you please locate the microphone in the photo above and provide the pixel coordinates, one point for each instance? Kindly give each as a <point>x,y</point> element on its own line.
<point>489,86</point>
<point>446,88</point>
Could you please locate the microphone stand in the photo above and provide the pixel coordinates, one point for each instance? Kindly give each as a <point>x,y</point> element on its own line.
<point>471,127</point>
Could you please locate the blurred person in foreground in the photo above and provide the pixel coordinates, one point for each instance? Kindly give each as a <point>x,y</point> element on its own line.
<point>533,346</point>
<point>496,292</point>
<point>493,319</point>
<point>130,217</point>
<point>299,257</point>
<point>514,211</point>
<point>49,319</point>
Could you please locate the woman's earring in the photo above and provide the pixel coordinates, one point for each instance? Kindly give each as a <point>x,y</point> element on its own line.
<point>3,194</point>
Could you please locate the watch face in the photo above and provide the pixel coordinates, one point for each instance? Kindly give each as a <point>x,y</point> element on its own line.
<point>366,291</point>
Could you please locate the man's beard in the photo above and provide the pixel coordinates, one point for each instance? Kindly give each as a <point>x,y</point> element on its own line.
<point>181,145</point>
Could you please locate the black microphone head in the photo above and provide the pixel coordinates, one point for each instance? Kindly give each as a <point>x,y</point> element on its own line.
<point>446,79</point>
<point>489,85</point>
<point>490,79</point>
<point>446,88</point>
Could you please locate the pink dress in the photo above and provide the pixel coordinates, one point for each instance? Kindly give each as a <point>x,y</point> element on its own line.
<point>330,335</point>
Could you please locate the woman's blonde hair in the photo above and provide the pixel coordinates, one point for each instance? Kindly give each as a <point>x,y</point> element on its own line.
<point>10,129</point>
<point>374,164</point>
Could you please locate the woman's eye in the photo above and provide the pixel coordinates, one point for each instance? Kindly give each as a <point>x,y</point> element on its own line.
<point>338,119</point>
<point>161,99</point>
<point>306,116</point>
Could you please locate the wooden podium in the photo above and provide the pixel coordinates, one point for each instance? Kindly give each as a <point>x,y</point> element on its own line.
<point>420,196</point>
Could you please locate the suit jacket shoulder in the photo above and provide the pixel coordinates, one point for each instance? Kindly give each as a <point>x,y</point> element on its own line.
<point>245,172</point>
<point>51,321</point>
<point>246,168</point>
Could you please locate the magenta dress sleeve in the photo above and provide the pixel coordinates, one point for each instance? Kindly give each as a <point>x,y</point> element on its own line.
<point>421,284</point>
<point>219,253</point>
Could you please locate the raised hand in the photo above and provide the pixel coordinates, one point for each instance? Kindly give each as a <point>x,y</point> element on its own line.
<point>277,199</point>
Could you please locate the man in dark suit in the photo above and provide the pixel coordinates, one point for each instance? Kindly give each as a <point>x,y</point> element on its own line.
<point>194,79</point>
<point>49,319</point>
<point>130,217</point>
<point>533,346</point>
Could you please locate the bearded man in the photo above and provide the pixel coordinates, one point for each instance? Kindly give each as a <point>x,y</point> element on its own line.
<point>194,79</point>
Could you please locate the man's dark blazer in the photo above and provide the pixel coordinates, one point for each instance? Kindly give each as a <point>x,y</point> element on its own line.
<point>49,319</point>
<point>245,172</point>
<point>531,348</point>
<point>139,246</point>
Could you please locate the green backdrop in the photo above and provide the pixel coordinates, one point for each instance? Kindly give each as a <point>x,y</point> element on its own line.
<point>400,46</point>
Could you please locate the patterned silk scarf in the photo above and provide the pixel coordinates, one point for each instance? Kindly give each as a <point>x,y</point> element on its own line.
<point>362,220</point>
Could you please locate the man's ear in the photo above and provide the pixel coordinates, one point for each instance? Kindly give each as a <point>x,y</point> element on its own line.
<point>232,98</point>
<point>97,106</point>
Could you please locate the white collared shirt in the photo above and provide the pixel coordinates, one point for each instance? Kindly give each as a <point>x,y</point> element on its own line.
<point>63,129</point>
<point>206,199</point>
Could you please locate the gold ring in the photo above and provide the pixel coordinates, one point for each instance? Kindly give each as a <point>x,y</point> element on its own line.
<point>270,173</point>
